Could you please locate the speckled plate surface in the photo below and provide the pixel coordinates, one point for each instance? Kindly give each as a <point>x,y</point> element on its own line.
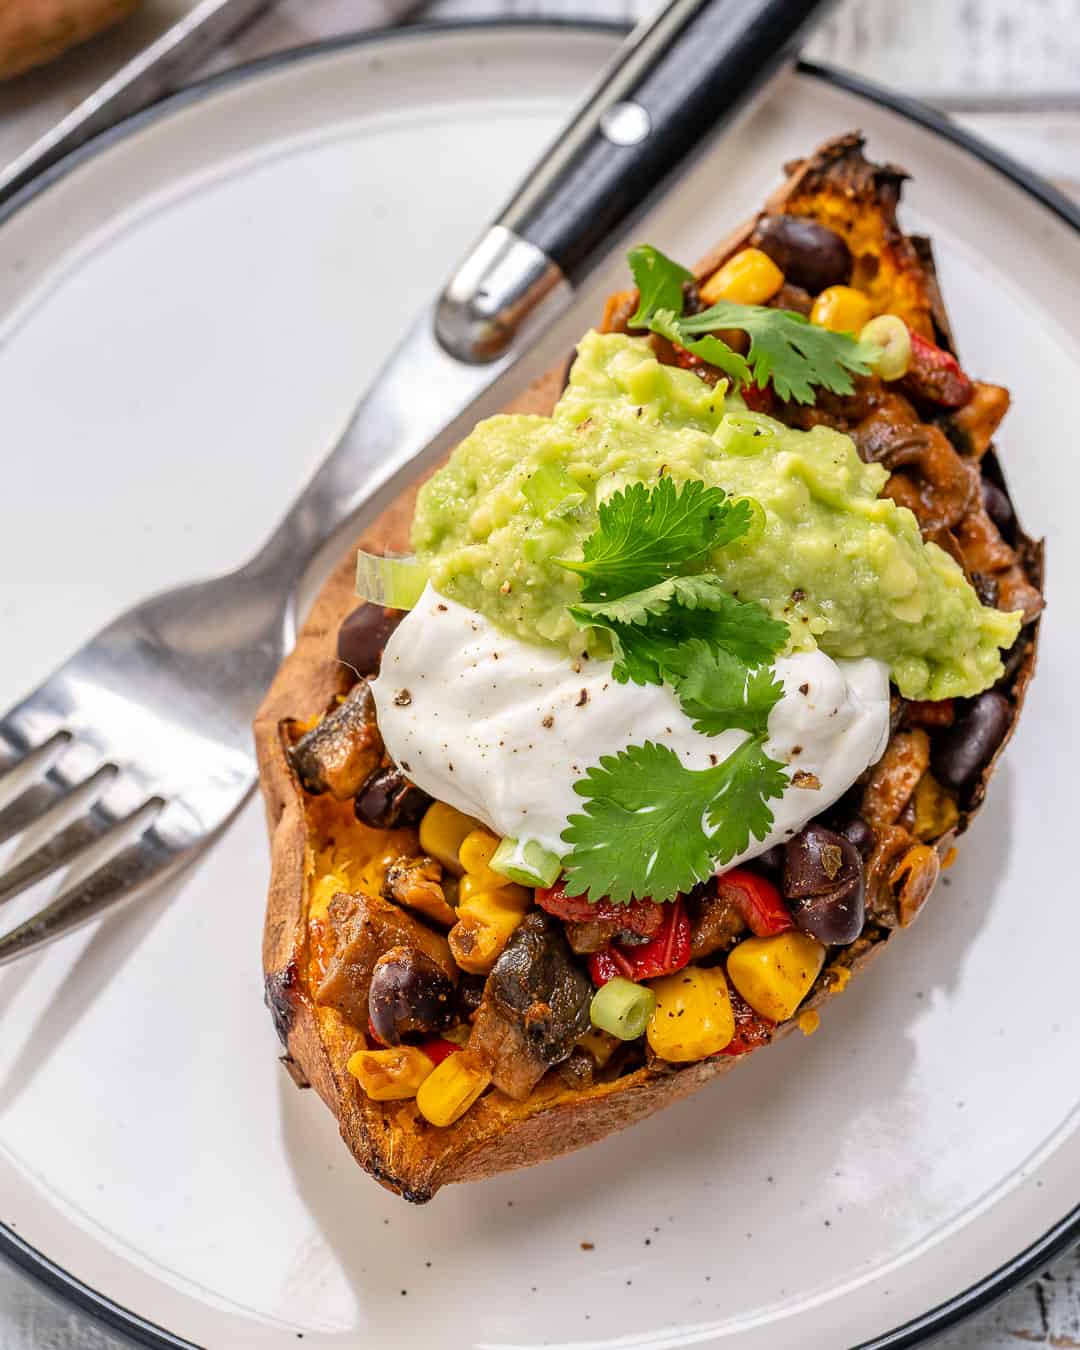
<point>185,317</point>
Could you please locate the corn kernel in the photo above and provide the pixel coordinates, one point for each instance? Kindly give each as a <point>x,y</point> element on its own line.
<point>809,1021</point>
<point>936,811</point>
<point>447,1093</point>
<point>774,974</point>
<point>486,922</point>
<point>841,309</point>
<point>510,894</point>
<point>390,1075</point>
<point>442,832</point>
<point>693,1017</point>
<point>749,278</point>
<point>476,851</point>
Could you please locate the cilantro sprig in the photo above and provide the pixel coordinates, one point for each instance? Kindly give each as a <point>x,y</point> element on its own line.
<point>787,350</point>
<point>652,827</point>
<point>649,534</point>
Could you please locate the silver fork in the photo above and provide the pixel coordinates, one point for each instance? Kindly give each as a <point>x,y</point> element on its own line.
<point>152,716</point>
<point>151,719</point>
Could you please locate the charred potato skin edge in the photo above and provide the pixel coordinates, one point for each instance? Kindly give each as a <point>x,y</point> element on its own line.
<point>497,1135</point>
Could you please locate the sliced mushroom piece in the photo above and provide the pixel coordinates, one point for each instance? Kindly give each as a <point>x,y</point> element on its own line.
<point>536,1006</point>
<point>338,755</point>
<point>364,927</point>
<point>417,884</point>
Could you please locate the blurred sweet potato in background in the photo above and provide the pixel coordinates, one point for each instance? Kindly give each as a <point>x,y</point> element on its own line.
<point>35,31</point>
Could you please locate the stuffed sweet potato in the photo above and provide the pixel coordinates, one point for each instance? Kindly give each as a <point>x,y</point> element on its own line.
<point>463,1008</point>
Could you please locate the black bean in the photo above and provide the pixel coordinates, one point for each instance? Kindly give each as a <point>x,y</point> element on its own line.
<point>387,800</point>
<point>470,993</point>
<point>808,254</point>
<point>363,635</point>
<point>772,860</point>
<point>823,883</point>
<point>859,832</point>
<point>998,506</point>
<point>409,995</point>
<point>963,750</point>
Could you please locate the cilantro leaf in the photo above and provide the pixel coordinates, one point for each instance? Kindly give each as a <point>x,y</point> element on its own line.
<point>718,691</point>
<point>648,627</point>
<point>646,534</point>
<point>710,348</point>
<point>787,349</point>
<point>659,281</point>
<point>745,783</point>
<point>653,828</point>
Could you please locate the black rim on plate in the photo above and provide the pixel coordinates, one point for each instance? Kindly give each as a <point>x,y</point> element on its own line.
<point>1063,1234</point>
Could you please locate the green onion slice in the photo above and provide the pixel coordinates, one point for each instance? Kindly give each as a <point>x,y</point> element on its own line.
<point>550,491</point>
<point>397,582</point>
<point>526,862</point>
<point>622,1008</point>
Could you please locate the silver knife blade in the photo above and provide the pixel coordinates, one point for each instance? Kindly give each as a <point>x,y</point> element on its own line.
<point>418,405</point>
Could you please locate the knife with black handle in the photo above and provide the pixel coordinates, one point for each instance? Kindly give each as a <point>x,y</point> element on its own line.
<point>674,83</point>
<point>678,80</point>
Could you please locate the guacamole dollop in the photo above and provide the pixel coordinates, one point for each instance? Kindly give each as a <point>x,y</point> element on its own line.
<point>846,568</point>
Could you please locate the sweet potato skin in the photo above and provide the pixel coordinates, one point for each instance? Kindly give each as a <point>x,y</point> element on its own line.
<point>33,32</point>
<point>390,1140</point>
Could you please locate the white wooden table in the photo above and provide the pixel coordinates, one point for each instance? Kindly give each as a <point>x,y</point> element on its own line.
<point>1009,71</point>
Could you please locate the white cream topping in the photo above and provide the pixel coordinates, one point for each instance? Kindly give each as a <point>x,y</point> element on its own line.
<point>502,729</point>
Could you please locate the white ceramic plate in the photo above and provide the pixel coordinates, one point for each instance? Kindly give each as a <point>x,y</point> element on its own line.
<point>185,317</point>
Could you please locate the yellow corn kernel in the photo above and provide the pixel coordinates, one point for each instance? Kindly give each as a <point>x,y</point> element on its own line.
<point>841,309</point>
<point>442,831</point>
<point>476,851</point>
<point>809,1021</point>
<point>600,1044</point>
<point>774,974</point>
<point>749,278</point>
<point>693,1016</point>
<point>447,1093</point>
<point>390,1075</point>
<point>486,922</point>
<point>936,811</point>
<point>510,893</point>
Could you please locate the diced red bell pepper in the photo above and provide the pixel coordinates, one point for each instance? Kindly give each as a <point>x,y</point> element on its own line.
<point>643,917</point>
<point>757,900</point>
<point>935,374</point>
<point>668,951</point>
<point>437,1049</point>
<point>758,400</point>
<point>751,1029</point>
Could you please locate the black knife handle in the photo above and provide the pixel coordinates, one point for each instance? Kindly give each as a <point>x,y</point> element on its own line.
<point>676,81</point>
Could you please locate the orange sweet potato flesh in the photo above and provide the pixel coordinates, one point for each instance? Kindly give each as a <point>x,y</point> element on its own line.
<point>840,188</point>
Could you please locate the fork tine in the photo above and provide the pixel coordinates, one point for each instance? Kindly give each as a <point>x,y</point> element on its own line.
<point>39,799</point>
<point>126,876</point>
<point>12,758</point>
<point>62,848</point>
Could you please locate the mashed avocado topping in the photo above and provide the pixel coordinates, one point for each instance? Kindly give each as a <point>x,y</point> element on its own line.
<point>845,568</point>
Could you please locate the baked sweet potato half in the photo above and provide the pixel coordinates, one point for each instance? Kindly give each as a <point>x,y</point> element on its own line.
<point>376,974</point>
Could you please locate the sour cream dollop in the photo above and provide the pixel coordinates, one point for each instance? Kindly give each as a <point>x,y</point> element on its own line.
<point>502,729</point>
